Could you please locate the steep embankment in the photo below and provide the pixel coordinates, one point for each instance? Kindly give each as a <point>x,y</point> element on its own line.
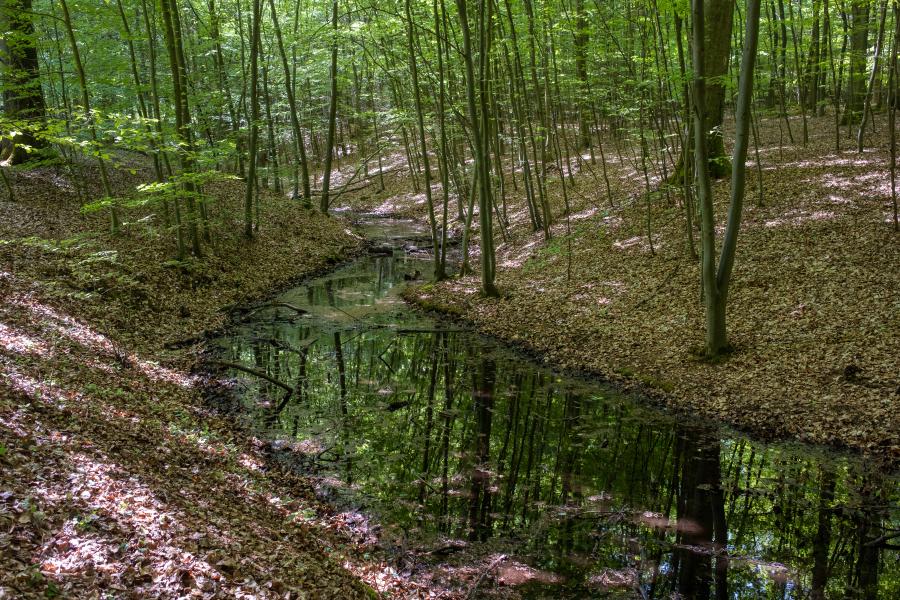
<point>814,313</point>
<point>114,479</point>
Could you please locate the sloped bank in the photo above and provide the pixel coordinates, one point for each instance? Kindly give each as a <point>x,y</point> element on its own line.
<point>759,389</point>
<point>813,314</point>
<point>114,477</point>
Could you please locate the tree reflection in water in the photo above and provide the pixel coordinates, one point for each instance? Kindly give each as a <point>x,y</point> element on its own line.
<point>443,434</point>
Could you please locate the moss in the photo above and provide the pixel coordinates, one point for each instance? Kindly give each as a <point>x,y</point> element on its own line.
<point>657,383</point>
<point>624,372</point>
<point>647,380</point>
<point>419,295</point>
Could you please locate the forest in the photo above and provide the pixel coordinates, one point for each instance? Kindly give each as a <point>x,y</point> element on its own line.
<point>255,344</point>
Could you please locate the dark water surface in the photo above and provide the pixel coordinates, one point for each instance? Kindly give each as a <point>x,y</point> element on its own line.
<point>442,434</point>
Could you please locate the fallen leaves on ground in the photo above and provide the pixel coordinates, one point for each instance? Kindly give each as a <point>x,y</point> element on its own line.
<point>115,480</point>
<point>814,313</point>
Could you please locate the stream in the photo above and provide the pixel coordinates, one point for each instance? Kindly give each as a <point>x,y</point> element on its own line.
<point>468,457</point>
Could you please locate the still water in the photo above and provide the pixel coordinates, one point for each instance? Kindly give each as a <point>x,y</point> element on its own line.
<point>454,443</point>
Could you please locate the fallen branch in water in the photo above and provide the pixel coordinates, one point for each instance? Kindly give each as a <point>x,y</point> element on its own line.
<point>283,345</point>
<point>260,374</point>
<point>296,309</point>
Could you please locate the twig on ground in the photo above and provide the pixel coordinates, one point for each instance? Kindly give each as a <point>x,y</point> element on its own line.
<point>484,573</point>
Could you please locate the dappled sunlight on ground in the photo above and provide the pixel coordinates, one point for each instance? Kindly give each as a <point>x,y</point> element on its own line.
<point>16,380</point>
<point>111,501</point>
<point>798,217</point>
<point>13,340</point>
<point>49,322</point>
<point>117,487</point>
<point>516,256</point>
<point>640,243</point>
<point>65,325</point>
<point>832,209</point>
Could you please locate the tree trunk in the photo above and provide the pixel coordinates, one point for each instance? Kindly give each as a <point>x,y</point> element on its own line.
<point>715,284</point>
<point>420,123</point>
<point>182,112</point>
<point>299,142</point>
<point>332,111</point>
<point>254,120</point>
<point>719,16</point>
<point>859,45</point>
<point>86,102</point>
<point>478,117</point>
<point>23,98</point>
<point>870,86</point>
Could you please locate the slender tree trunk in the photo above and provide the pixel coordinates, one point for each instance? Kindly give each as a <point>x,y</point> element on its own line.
<point>719,15</point>
<point>859,45</point>
<point>715,284</point>
<point>442,127</point>
<point>299,142</point>
<point>254,119</point>
<point>478,118</point>
<point>332,110</point>
<point>182,114</point>
<point>420,124</point>
<point>581,42</point>
<point>143,111</point>
<point>798,66</point>
<point>893,78</point>
<point>23,98</point>
<point>870,87</point>
<point>274,169</point>
<point>89,115</point>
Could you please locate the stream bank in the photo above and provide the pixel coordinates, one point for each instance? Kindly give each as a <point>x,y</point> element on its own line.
<point>115,478</point>
<point>813,311</point>
<point>469,470</point>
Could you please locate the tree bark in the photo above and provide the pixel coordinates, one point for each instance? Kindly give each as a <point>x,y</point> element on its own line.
<point>332,112</point>
<point>719,17</point>
<point>254,120</point>
<point>716,281</point>
<point>23,98</point>
<point>299,142</point>
<point>859,45</point>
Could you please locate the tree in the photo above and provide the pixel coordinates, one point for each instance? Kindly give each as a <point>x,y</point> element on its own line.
<point>254,119</point>
<point>717,52</point>
<point>332,109</point>
<point>178,67</point>
<point>89,115</point>
<point>859,46</point>
<point>716,280</point>
<point>478,119</point>
<point>300,144</point>
<point>23,98</point>
<point>423,141</point>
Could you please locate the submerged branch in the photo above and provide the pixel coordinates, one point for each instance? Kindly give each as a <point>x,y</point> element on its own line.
<point>257,373</point>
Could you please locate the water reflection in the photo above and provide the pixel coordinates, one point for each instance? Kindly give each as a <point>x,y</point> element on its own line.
<point>447,436</point>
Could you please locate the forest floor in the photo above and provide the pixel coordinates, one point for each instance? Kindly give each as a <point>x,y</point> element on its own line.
<point>115,478</point>
<point>814,312</point>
